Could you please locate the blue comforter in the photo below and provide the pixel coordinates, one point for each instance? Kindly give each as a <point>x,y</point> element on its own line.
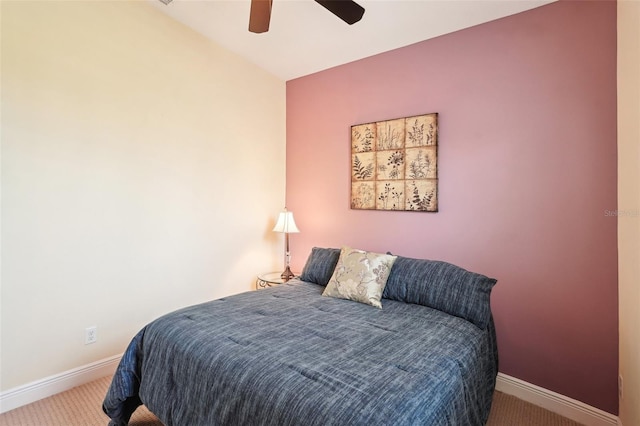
<point>289,356</point>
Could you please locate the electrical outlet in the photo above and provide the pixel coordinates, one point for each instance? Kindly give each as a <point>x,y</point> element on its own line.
<point>90,335</point>
<point>620,387</point>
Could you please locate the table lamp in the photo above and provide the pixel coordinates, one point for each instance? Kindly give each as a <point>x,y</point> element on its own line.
<point>287,225</point>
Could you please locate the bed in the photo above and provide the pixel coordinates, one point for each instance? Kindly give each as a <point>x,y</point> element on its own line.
<point>289,355</point>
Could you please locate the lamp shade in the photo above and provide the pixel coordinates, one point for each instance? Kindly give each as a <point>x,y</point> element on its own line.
<point>286,223</point>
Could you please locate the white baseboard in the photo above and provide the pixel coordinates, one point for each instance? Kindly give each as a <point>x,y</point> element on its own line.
<point>552,401</point>
<point>31,392</point>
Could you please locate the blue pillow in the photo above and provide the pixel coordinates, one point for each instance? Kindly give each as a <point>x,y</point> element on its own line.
<point>320,265</point>
<point>442,286</point>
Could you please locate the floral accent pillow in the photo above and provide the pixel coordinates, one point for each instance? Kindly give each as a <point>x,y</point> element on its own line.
<point>360,276</point>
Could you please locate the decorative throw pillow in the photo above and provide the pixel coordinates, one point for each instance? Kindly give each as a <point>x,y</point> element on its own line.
<point>360,276</point>
<point>320,265</point>
<point>443,286</point>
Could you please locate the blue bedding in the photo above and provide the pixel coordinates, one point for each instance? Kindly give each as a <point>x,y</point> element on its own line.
<point>289,356</point>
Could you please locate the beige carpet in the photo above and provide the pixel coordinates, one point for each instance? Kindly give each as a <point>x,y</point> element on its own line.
<point>81,406</point>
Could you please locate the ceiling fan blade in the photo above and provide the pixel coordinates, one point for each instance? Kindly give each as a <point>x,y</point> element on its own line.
<point>260,16</point>
<point>347,10</point>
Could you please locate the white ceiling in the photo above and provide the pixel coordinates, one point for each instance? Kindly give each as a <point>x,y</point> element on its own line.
<point>305,38</point>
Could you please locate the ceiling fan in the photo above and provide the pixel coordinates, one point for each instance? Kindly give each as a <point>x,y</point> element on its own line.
<point>260,16</point>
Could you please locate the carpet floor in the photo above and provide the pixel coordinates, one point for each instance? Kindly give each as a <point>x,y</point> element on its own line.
<point>82,406</point>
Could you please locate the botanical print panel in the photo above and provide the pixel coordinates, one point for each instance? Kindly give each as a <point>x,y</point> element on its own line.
<point>389,195</point>
<point>363,137</point>
<point>390,134</point>
<point>363,166</point>
<point>363,195</point>
<point>394,164</point>
<point>422,195</point>
<point>422,163</point>
<point>390,164</point>
<point>421,130</point>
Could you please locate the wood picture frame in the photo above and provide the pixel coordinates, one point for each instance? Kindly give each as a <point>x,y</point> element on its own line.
<point>394,164</point>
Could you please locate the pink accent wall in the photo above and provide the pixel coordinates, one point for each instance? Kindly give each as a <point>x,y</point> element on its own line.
<point>527,168</point>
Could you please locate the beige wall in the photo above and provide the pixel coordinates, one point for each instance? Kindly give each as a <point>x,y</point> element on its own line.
<point>629,206</point>
<point>142,171</point>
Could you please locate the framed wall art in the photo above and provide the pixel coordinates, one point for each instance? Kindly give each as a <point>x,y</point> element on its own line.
<point>394,164</point>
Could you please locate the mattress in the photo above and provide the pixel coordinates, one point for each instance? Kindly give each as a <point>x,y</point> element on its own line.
<point>289,356</point>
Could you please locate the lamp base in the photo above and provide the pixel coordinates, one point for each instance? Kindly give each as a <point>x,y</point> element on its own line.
<point>287,274</point>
